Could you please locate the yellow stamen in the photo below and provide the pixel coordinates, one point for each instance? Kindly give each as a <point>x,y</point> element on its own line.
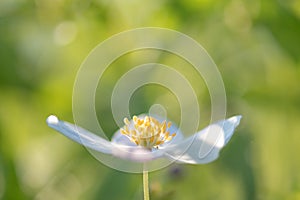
<point>169,124</point>
<point>126,121</point>
<point>147,131</point>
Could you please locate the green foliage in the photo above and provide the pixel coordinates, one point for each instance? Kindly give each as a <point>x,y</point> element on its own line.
<point>255,44</point>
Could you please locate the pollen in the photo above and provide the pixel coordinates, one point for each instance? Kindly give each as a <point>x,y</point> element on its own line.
<point>147,131</point>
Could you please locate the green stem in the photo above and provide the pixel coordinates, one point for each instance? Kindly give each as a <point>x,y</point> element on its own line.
<point>146,185</point>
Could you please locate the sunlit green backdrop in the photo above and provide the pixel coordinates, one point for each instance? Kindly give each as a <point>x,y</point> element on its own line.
<point>255,44</point>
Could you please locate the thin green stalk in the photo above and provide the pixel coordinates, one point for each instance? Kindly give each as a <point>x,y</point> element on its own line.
<point>146,185</point>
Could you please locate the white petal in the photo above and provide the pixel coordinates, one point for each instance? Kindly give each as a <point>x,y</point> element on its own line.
<point>136,153</point>
<point>119,138</point>
<point>92,141</point>
<point>229,126</point>
<point>204,146</point>
<point>80,135</point>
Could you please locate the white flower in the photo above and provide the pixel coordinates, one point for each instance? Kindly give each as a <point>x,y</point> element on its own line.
<point>145,138</point>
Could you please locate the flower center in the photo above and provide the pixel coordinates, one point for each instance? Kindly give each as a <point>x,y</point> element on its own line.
<point>147,132</point>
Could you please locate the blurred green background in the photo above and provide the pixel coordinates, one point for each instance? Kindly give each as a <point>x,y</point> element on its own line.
<point>255,44</point>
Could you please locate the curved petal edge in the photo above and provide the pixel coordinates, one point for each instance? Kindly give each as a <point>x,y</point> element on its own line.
<point>204,146</point>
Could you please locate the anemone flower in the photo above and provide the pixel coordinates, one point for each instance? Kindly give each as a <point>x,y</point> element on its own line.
<point>146,138</point>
